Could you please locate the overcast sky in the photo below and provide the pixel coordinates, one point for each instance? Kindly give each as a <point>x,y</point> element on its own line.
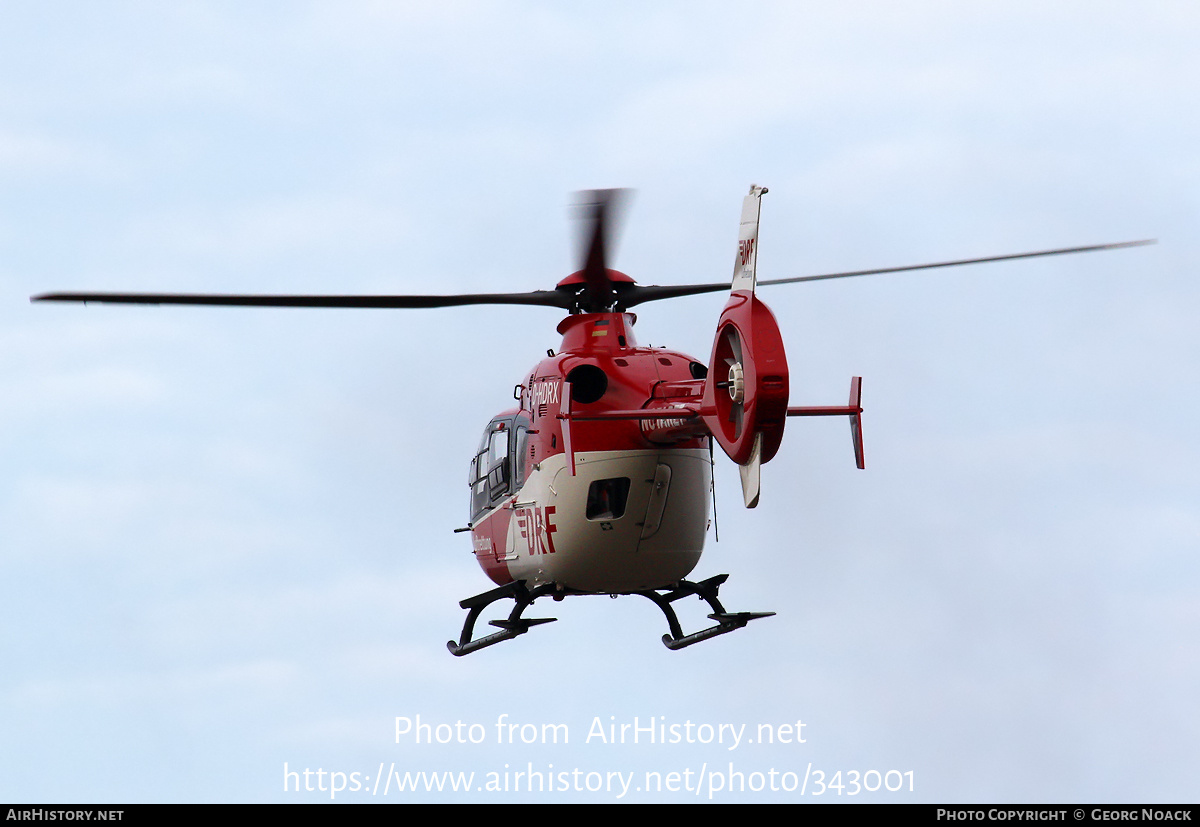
<point>225,534</point>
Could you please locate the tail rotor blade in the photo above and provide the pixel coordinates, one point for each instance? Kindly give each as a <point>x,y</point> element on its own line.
<point>735,345</point>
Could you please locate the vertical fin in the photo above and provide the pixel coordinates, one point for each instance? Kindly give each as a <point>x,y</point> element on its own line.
<point>744,264</point>
<point>856,420</point>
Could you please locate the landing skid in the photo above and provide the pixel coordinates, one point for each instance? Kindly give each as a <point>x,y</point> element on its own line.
<point>663,598</point>
<point>510,628</point>
<point>706,590</point>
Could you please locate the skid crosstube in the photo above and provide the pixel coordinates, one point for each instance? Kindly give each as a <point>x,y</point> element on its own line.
<point>523,597</point>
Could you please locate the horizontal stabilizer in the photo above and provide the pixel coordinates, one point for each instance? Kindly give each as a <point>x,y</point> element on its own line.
<point>852,410</point>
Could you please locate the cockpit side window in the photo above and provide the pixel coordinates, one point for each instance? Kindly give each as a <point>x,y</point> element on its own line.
<point>498,466</point>
<point>491,470</point>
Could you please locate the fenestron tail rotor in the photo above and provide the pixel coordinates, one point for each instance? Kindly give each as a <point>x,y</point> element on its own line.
<point>746,391</point>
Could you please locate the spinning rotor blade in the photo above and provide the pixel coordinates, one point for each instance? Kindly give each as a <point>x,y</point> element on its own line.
<point>546,298</point>
<point>647,293</point>
<point>597,211</point>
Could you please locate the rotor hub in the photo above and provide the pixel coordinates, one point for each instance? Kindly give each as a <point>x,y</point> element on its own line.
<point>737,383</point>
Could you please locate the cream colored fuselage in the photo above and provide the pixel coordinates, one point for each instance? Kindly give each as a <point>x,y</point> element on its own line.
<point>655,542</point>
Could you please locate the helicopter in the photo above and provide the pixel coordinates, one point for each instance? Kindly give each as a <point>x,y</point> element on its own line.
<point>598,480</point>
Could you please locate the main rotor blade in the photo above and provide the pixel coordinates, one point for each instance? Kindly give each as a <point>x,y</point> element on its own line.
<point>639,294</point>
<point>1059,252</point>
<point>627,294</point>
<point>545,298</point>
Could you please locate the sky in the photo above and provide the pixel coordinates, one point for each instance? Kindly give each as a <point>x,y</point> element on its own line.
<point>226,538</point>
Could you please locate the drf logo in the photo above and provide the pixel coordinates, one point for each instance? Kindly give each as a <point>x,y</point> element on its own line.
<point>537,528</point>
<point>745,250</point>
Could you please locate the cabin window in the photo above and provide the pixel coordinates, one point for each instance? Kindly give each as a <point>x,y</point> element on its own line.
<point>607,498</point>
<point>521,453</point>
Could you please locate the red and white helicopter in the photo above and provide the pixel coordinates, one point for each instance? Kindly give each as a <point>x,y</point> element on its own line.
<point>598,480</point>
